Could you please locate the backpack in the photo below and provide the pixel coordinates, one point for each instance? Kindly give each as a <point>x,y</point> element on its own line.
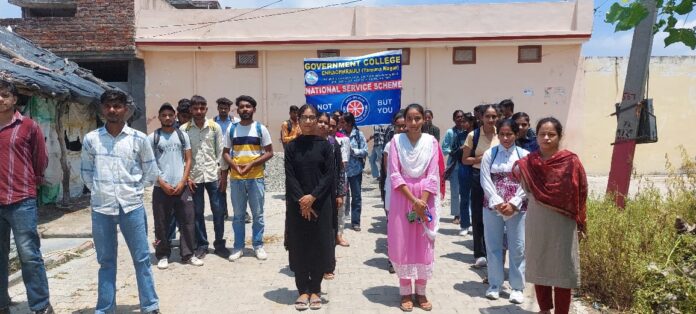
<point>156,140</point>
<point>233,127</point>
<point>212,125</point>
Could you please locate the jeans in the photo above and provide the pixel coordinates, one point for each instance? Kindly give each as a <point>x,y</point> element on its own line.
<point>375,159</point>
<point>218,215</point>
<point>168,208</point>
<point>464,175</point>
<point>355,183</point>
<point>249,191</point>
<point>455,202</point>
<point>495,228</point>
<point>21,218</point>
<point>477,214</point>
<point>133,227</point>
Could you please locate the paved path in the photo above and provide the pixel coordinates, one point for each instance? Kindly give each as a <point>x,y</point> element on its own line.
<point>362,284</point>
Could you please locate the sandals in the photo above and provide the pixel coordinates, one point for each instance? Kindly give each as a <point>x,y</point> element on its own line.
<point>329,276</point>
<point>315,302</point>
<point>423,303</point>
<point>343,243</point>
<point>406,303</point>
<point>302,303</point>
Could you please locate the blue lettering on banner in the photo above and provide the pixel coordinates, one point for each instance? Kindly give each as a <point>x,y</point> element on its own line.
<point>368,86</point>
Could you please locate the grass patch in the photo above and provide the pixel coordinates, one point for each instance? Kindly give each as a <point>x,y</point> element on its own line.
<point>634,259</point>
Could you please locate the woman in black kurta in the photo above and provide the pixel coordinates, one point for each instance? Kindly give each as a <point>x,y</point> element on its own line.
<point>310,195</point>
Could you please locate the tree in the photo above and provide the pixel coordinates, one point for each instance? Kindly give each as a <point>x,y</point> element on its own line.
<point>627,16</point>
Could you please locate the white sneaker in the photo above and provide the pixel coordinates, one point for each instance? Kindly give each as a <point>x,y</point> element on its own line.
<point>463,232</point>
<point>236,254</point>
<point>517,297</point>
<point>163,263</point>
<point>194,261</point>
<point>492,293</point>
<point>470,230</point>
<point>481,262</point>
<point>261,254</point>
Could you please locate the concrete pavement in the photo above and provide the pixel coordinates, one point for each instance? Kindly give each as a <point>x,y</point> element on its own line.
<point>362,283</point>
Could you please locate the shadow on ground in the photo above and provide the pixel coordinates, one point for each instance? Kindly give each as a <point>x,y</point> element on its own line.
<point>282,296</point>
<point>378,262</point>
<point>119,309</point>
<point>460,257</point>
<point>505,309</point>
<point>385,295</point>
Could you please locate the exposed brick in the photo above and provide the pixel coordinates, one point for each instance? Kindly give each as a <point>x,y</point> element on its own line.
<point>98,26</point>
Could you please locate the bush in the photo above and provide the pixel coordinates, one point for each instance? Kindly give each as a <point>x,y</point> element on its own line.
<point>633,259</point>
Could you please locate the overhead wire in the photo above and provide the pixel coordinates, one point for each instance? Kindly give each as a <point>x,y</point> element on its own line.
<point>238,18</point>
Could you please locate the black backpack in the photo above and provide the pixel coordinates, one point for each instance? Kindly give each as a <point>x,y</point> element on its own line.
<point>155,143</point>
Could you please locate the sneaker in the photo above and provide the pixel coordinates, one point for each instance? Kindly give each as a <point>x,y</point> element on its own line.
<point>480,262</point>
<point>356,228</point>
<point>163,263</point>
<point>463,232</point>
<point>492,293</point>
<point>222,252</point>
<point>194,261</point>
<point>517,297</point>
<point>261,254</point>
<point>236,254</point>
<point>47,310</point>
<point>470,230</point>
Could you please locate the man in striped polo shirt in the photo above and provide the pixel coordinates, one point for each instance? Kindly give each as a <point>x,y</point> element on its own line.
<point>247,148</point>
<point>24,159</point>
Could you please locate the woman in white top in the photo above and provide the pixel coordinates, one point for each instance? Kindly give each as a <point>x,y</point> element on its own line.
<point>505,206</point>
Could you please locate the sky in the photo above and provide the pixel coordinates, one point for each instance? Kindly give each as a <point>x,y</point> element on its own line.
<point>604,41</point>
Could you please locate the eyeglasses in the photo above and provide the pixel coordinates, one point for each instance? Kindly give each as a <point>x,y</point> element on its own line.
<point>308,118</point>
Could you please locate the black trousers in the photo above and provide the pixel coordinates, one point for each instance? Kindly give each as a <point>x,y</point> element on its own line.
<point>309,282</point>
<point>165,209</point>
<point>477,213</point>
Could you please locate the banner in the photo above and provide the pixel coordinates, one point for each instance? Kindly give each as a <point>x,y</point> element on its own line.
<point>369,86</point>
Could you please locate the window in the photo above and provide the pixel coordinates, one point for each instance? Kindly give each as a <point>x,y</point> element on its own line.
<point>52,12</point>
<point>464,55</point>
<point>328,53</point>
<point>247,59</point>
<point>110,71</point>
<point>405,55</point>
<point>529,54</point>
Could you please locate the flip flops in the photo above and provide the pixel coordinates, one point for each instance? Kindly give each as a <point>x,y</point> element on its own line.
<point>302,303</point>
<point>315,302</point>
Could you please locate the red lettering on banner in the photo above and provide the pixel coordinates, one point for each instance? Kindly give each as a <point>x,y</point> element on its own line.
<point>352,88</point>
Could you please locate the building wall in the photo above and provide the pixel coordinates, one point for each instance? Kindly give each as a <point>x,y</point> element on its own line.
<point>672,86</point>
<point>98,26</point>
<point>541,89</point>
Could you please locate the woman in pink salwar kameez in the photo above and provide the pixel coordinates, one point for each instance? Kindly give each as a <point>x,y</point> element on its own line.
<point>415,165</point>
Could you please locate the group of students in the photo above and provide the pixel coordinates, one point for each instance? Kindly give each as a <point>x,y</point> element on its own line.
<point>526,196</point>
<point>526,199</point>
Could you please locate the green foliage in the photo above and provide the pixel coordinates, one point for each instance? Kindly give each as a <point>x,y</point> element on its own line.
<point>627,16</point>
<point>633,259</point>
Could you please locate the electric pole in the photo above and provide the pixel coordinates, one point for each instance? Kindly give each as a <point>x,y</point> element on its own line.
<point>628,112</point>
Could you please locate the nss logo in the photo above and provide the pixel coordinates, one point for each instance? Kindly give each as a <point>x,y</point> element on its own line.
<point>358,106</point>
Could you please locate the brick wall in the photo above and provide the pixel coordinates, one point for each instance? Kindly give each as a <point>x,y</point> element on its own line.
<point>99,26</point>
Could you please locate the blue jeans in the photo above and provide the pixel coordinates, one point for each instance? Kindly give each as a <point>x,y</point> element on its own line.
<point>21,218</point>
<point>133,227</point>
<point>355,183</point>
<point>375,159</point>
<point>249,191</point>
<point>464,177</point>
<point>454,192</point>
<point>218,215</point>
<point>494,231</point>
